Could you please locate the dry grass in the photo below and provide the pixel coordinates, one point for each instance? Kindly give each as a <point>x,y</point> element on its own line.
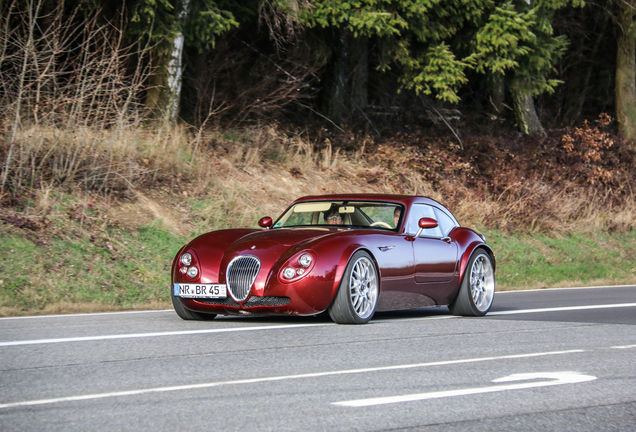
<point>78,206</point>
<point>193,179</point>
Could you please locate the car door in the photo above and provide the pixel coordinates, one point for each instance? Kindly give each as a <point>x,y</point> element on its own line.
<point>434,253</point>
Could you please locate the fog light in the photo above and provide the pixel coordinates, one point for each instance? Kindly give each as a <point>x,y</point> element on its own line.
<point>193,272</point>
<point>289,273</point>
<point>186,259</point>
<point>300,271</point>
<point>305,260</point>
<point>183,270</point>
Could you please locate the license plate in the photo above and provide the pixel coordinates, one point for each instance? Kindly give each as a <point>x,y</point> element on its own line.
<point>200,290</point>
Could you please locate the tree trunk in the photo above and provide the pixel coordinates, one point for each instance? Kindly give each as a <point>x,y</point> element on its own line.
<point>497,95</point>
<point>335,90</point>
<point>164,92</point>
<point>175,70</point>
<point>527,119</point>
<point>625,90</point>
<point>175,67</point>
<point>347,78</point>
<point>157,84</point>
<point>360,74</point>
<point>577,83</point>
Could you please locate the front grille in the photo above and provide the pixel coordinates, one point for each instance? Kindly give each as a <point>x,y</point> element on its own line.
<point>241,273</point>
<point>221,302</point>
<point>266,301</point>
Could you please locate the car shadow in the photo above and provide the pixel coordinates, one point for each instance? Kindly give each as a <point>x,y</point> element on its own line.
<point>426,312</point>
<point>324,317</point>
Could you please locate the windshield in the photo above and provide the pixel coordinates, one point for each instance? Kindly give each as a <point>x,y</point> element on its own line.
<point>383,215</point>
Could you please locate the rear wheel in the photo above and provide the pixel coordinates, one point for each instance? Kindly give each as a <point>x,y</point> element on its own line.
<point>187,314</point>
<point>477,290</point>
<point>357,296</point>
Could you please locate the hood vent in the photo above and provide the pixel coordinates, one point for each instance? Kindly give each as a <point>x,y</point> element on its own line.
<point>240,276</point>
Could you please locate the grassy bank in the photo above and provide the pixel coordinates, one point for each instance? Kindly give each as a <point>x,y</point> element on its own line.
<point>99,257</point>
<point>130,270</point>
<point>90,221</point>
<point>575,259</point>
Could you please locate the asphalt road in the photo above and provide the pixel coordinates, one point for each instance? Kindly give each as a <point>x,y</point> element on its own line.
<point>541,360</point>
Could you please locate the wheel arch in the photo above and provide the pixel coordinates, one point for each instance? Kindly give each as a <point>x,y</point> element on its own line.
<point>348,253</point>
<point>470,250</point>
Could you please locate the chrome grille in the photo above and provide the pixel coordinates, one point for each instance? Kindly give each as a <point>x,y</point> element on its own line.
<point>241,273</point>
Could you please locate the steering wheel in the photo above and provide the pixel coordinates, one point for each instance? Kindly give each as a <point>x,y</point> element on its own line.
<point>382,224</point>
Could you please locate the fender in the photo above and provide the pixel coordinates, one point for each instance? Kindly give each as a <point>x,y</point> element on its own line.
<point>469,252</point>
<point>344,262</point>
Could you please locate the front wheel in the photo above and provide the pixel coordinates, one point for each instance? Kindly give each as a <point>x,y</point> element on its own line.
<point>187,314</point>
<point>358,293</point>
<point>477,290</point>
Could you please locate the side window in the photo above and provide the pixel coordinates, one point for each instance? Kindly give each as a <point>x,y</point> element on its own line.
<point>419,211</point>
<point>446,224</point>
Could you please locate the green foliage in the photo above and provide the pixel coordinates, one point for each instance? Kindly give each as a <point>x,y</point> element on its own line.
<point>520,39</point>
<point>153,22</point>
<point>208,19</point>
<point>363,17</point>
<point>442,73</point>
<point>503,40</point>
<point>427,38</point>
<point>157,22</point>
<point>416,33</point>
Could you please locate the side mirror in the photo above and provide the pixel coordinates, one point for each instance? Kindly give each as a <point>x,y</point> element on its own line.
<point>266,222</point>
<point>426,223</point>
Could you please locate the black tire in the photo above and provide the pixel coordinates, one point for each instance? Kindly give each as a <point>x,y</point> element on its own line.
<point>477,289</point>
<point>357,295</point>
<point>187,314</point>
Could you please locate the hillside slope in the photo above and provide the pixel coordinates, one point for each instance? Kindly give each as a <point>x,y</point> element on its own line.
<point>91,220</point>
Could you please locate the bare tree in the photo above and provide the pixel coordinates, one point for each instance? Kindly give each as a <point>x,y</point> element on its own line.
<point>58,73</point>
<point>625,87</point>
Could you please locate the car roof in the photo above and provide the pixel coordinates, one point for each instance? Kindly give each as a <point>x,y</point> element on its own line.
<point>403,199</point>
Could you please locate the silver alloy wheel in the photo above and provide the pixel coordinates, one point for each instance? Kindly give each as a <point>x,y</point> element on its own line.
<point>482,282</point>
<point>363,287</point>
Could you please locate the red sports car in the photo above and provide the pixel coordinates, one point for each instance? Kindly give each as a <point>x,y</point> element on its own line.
<point>350,255</point>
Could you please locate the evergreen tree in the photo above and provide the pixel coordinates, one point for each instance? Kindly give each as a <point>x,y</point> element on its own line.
<point>518,41</point>
<point>433,42</point>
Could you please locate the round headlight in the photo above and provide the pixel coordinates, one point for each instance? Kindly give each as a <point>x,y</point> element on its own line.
<point>193,272</point>
<point>289,273</point>
<point>186,259</point>
<point>305,260</point>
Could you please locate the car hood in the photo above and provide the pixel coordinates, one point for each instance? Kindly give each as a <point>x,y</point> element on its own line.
<point>216,249</point>
<point>286,236</point>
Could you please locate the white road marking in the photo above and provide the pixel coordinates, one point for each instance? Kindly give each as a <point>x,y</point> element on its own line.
<point>561,309</point>
<point>290,326</point>
<point>159,334</point>
<point>565,288</point>
<point>521,291</point>
<point>555,378</point>
<point>279,378</point>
